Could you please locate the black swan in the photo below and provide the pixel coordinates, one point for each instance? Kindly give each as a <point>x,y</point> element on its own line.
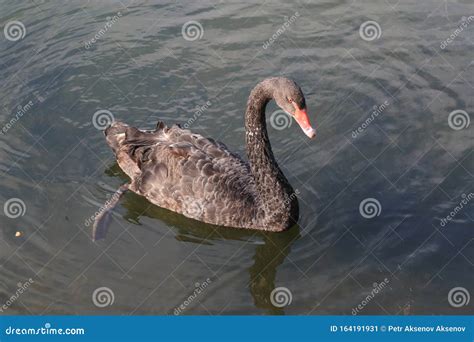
<point>201,179</point>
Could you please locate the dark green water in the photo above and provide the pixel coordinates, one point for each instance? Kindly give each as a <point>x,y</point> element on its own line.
<point>130,58</point>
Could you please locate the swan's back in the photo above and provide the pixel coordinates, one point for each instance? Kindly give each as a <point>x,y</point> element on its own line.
<point>186,173</point>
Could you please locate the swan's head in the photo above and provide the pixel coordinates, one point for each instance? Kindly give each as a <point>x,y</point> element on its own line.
<point>290,98</point>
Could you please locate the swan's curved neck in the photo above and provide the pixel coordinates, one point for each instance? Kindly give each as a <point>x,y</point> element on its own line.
<point>277,197</point>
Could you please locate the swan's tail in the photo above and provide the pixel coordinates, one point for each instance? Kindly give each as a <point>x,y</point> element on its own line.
<point>129,145</point>
<point>115,135</point>
<point>119,134</point>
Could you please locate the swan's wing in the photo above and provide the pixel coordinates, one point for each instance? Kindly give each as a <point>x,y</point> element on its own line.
<point>187,173</point>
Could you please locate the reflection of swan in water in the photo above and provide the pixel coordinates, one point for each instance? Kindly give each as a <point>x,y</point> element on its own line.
<point>268,256</point>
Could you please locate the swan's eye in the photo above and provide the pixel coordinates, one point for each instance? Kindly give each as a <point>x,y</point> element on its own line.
<point>290,100</point>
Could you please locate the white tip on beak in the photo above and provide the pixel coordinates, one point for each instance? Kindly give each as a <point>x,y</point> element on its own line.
<point>301,117</point>
<point>310,132</point>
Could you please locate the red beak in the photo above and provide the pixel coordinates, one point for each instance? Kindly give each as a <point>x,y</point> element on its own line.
<point>302,119</point>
